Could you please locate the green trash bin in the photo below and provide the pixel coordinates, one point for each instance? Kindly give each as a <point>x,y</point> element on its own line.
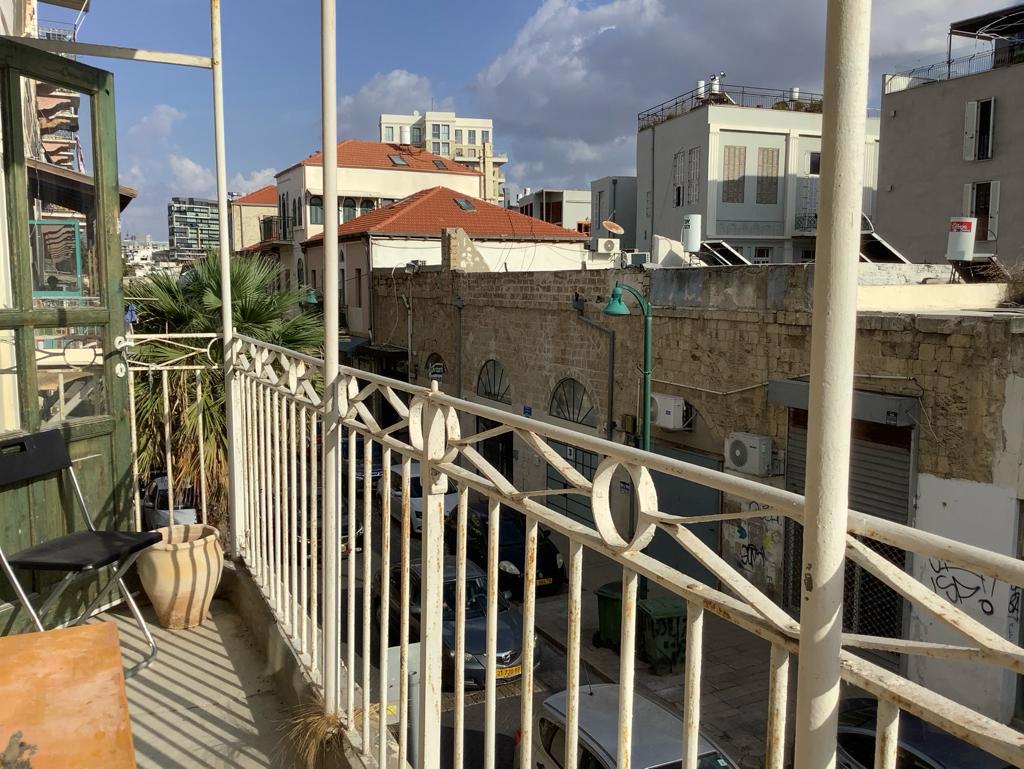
<point>609,616</point>
<point>663,633</point>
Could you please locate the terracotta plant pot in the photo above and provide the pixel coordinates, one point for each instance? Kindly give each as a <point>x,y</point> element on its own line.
<point>180,578</point>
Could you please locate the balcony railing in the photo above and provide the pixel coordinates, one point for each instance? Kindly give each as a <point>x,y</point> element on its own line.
<point>951,69</point>
<point>275,228</point>
<point>737,95</point>
<point>292,547</point>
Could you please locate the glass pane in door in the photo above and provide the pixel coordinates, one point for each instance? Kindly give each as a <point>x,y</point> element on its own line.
<point>69,369</point>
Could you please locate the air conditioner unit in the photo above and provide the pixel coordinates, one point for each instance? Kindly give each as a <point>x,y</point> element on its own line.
<point>638,258</point>
<point>607,246</point>
<point>671,412</point>
<point>748,453</point>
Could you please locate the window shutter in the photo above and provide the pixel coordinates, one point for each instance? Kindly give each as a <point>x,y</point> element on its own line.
<point>968,206</point>
<point>993,211</point>
<point>970,131</point>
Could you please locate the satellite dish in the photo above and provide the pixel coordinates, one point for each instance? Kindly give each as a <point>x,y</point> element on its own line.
<point>612,227</point>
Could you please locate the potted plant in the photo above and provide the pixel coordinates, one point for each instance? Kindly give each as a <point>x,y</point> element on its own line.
<point>180,574</point>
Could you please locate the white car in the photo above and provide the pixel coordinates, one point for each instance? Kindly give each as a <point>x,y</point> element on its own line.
<point>155,513</point>
<point>657,734</point>
<point>393,496</point>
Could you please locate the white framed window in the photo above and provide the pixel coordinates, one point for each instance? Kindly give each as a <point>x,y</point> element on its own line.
<point>458,136</point>
<point>678,169</point>
<point>472,153</point>
<point>472,136</point>
<point>768,175</point>
<point>647,206</point>
<point>979,122</point>
<point>435,131</point>
<point>763,254</point>
<point>981,200</point>
<point>734,167</point>
<point>814,163</point>
<point>416,135</point>
<point>485,137</point>
<point>389,133</point>
<point>693,176</point>
<point>435,147</point>
<point>446,149</point>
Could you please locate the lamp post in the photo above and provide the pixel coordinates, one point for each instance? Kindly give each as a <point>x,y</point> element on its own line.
<point>617,307</point>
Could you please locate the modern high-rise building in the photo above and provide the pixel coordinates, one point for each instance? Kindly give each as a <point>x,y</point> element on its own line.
<point>468,140</point>
<point>192,227</point>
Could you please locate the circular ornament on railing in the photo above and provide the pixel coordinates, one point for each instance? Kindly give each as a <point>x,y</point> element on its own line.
<point>647,505</point>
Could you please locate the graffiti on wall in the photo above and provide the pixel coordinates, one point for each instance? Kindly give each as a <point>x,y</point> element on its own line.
<point>962,587</point>
<point>753,546</point>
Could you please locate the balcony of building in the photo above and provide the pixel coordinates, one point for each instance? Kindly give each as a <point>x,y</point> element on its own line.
<point>276,230</point>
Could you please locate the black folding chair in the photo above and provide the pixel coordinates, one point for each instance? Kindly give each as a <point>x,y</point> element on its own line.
<point>80,554</point>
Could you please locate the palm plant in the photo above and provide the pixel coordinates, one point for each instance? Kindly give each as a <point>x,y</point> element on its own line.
<point>190,304</point>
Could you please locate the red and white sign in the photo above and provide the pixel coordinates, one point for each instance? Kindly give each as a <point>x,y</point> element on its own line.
<point>961,225</point>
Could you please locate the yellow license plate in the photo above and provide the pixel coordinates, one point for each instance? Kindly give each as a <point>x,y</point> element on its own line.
<point>509,672</point>
<point>545,580</point>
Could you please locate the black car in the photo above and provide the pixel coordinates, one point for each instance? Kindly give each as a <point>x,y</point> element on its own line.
<point>551,574</point>
<point>920,745</point>
<point>509,646</point>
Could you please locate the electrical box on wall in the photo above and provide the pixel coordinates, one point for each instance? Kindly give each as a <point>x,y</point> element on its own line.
<point>749,453</point>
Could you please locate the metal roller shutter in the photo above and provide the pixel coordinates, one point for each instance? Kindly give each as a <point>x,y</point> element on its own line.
<point>881,483</point>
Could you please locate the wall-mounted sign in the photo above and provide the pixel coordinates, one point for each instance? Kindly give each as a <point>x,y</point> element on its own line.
<point>436,371</point>
<point>527,411</point>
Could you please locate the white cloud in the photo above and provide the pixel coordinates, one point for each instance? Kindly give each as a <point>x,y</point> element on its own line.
<point>254,181</point>
<point>190,177</point>
<point>565,94</point>
<point>157,124</point>
<point>398,91</point>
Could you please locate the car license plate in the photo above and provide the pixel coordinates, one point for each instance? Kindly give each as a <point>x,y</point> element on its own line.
<point>545,580</point>
<point>509,672</point>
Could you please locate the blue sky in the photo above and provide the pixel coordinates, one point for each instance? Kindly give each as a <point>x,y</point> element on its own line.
<point>563,79</point>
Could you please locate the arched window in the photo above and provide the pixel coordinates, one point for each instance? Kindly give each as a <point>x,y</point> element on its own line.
<point>570,402</point>
<point>300,271</point>
<point>365,206</point>
<point>493,384</point>
<point>348,210</point>
<point>316,210</point>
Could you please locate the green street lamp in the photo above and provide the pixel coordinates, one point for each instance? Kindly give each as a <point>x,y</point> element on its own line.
<point>616,307</point>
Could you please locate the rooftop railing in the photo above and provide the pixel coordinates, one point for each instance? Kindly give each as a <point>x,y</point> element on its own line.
<point>951,69</point>
<point>792,100</point>
<point>290,544</point>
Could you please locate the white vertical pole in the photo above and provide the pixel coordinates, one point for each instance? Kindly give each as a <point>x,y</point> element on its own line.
<point>778,693</point>
<point>431,587</point>
<point>834,330</point>
<point>236,488</point>
<point>627,664</point>
<point>332,535</point>
<point>691,678</point>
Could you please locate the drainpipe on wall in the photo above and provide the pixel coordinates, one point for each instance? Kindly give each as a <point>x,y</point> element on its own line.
<point>578,304</point>
<point>458,303</point>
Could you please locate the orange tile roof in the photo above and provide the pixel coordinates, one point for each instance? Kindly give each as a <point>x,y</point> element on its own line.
<point>264,196</point>
<point>353,153</point>
<point>429,211</point>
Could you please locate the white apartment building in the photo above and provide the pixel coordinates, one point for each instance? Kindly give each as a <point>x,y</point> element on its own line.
<point>566,208</point>
<point>370,175</point>
<point>747,160</point>
<point>469,140</point>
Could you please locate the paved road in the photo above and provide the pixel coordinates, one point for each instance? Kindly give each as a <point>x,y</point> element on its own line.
<point>549,677</point>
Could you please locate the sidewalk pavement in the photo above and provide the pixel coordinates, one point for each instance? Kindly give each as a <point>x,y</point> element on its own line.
<point>734,680</point>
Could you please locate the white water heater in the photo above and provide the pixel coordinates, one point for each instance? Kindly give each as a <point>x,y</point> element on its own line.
<point>963,230</point>
<point>404,135</point>
<point>690,235</point>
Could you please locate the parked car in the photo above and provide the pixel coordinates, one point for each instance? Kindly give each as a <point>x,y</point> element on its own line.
<point>317,500</point>
<point>155,505</point>
<point>921,745</point>
<point>509,647</point>
<point>551,574</point>
<point>393,496</point>
<point>657,734</point>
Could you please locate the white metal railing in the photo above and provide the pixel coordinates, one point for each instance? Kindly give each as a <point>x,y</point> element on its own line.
<point>280,400</point>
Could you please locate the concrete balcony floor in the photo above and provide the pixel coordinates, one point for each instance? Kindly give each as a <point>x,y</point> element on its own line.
<point>206,700</point>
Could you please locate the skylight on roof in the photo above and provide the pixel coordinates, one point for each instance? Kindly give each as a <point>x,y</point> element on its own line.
<point>465,204</point>
<point>398,160</point>
<point>440,164</point>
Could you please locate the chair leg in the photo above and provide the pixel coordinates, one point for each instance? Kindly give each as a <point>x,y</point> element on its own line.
<point>133,607</point>
<point>20,591</point>
<point>58,591</point>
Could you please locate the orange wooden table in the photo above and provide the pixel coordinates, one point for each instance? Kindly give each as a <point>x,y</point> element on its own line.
<point>62,700</point>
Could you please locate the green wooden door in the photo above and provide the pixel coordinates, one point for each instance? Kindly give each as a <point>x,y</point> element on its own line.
<point>61,304</point>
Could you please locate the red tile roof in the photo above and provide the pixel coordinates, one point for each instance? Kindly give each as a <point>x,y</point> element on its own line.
<point>264,196</point>
<point>429,211</point>
<point>353,153</point>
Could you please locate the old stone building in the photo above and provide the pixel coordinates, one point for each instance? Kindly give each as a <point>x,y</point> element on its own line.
<point>938,431</point>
